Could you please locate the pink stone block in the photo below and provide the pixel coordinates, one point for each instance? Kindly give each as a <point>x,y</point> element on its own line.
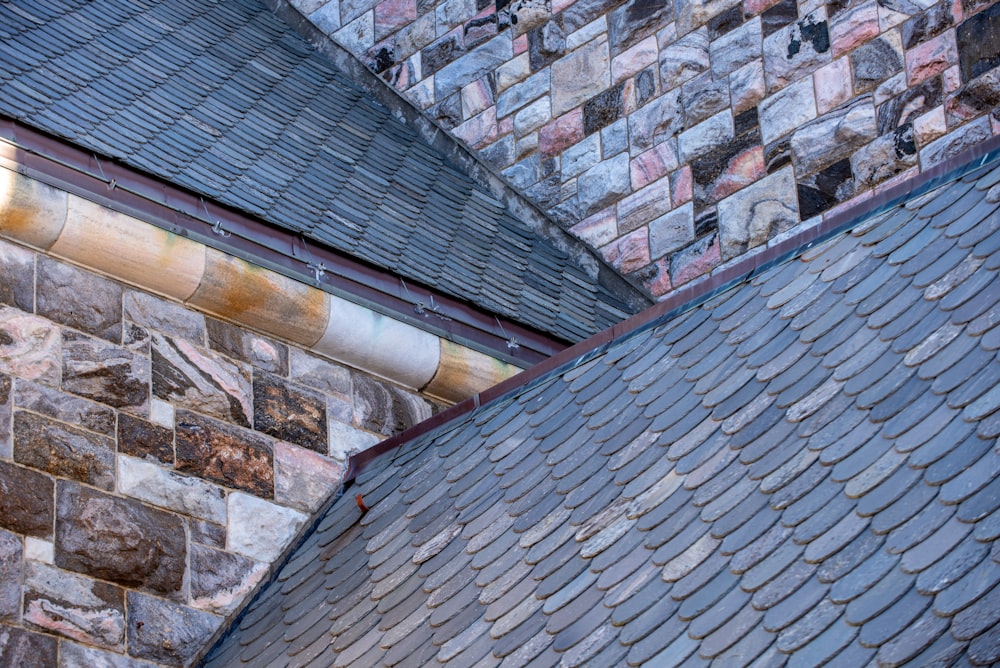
<point>597,230</point>
<point>853,28</point>
<point>697,264</point>
<point>644,205</point>
<point>652,165</point>
<point>660,284</point>
<point>479,130</point>
<point>559,5</point>
<point>833,85</point>
<point>932,57</point>
<point>391,15</point>
<point>681,186</point>
<point>506,126</point>
<point>520,44</point>
<point>628,253</point>
<point>745,168</point>
<point>755,7</point>
<point>476,98</point>
<point>952,79</point>
<point>561,133</point>
<point>633,60</point>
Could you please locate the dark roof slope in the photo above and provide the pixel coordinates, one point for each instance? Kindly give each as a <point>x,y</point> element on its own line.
<point>224,99</point>
<point>802,468</point>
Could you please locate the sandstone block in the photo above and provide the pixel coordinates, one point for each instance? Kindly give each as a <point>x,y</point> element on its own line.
<point>796,50</point>
<point>26,504</point>
<point>139,438</point>
<point>104,372</point>
<point>220,581</point>
<point>62,450</point>
<point>756,213</point>
<point>29,346</point>
<point>289,412</point>
<point>580,75</point>
<point>166,632</point>
<point>684,58</point>
<point>671,231</point>
<point>11,555</point>
<point>32,212</point>
<point>835,136</point>
<point>79,299</point>
<point>17,275</point>
<point>222,453</point>
<point>162,487</point>
<point>604,183</point>
<point>119,540</point>
<point>260,529</point>
<point>73,606</point>
<point>64,407</point>
<point>193,378</point>
<point>19,647</point>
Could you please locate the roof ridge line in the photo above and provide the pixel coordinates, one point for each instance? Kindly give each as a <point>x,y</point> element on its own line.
<point>694,294</point>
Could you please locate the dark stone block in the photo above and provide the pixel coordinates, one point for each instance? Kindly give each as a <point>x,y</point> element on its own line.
<point>225,454</point>
<point>79,299</point>
<point>914,102</point>
<point>245,346</point>
<point>603,109</point>
<point>923,26</point>
<point>221,580</point>
<point>440,53</point>
<point>980,95</point>
<point>635,20</point>
<point>873,63</point>
<point>6,416</point>
<point>978,41</point>
<point>17,277</point>
<point>815,32</point>
<point>826,188</point>
<point>383,60</point>
<point>166,632</point>
<point>777,155</point>
<point>546,43</point>
<point>25,501</point>
<point>448,111</point>
<point>207,533</point>
<point>105,373</point>
<point>119,540</point>
<point>288,412</point>
<point>23,648</point>
<point>721,172</point>
<point>479,29</point>
<point>747,122</point>
<point>728,20</point>
<point>706,221</point>
<point>777,17</point>
<point>141,438</point>
<point>645,86</point>
<point>64,451</point>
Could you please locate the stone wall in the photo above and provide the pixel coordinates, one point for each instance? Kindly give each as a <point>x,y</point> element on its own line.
<point>676,136</point>
<point>154,462</point>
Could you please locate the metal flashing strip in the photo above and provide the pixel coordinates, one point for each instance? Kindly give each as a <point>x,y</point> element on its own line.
<point>123,189</point>
<point>696,294</point>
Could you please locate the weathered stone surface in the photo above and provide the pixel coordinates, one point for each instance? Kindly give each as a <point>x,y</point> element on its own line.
<point>17,277</point>
<point>260,529</point>
<point>391,15</point>
<point>736,48</point>
<point>672,231</point>
<point>166,632</point>
<point>581,157</point>
<point>704,97</point>
<point>834,136</point>
<point>318,373</point>
<point>38,549</point>
<point>580,75</point>
<point>876,61</point>
<point>19,647</point>
<point>29,346</point>
<point>753,215</point>
<point>11,554</point>
<point>696,260</point>
<point>139,438</point>
<point>358,35</point>
<point>853,26</point>
<point>978,42</point>
<point>531,117</point>
<point>629,252</point>
<point>927,24</point>
<point>561,133</point>
<point>706,136</point>
<point>614,138</point>
<point>224,454</point>
<point>981,95</point>
<point>906,107</point>
<point>6,417</point>
<point>73,606</point>
<point>885,157</point>
<point>80,299</point>
<point>63,450</point>
<point>746,86</point>
<point>289,412</point>
<point>643,206</point>
<point>220,581</point>
<point>441,52</point>
<point>955,142</point>
<point>602,184</point>
<point>603,109</point>
<point>546,43</point>
<point>631,61</point>
<point>73,655</point>
<point>206,533</point>
<point>659,120</point>
<point>302,478</point>
<point>385,409</point>
<point>635,19</point>
<point>796,50</point>
<point>162,487</point>
<point>205,382</point>
<point>733,165</point>
<point>685,58</point>
<point>26,504</point>
<point>164,316</point>
<point>64,407</point>
<point>777,15</point>
<point>517,96</point>
<point>105,372</point>
<point>473,65</point>
<point>787,110</point>
<point>931,57</point>
<point>691,13</point>
<point>119,540</point>
<point>833,85</point>
<point>653,164</point>
<point>345,440</point>
<point>824,189</point>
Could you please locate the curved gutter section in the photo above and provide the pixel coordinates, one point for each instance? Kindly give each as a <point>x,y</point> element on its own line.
<point>151,258</point>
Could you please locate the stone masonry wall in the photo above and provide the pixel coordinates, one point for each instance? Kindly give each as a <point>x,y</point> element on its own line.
<point>676,136</point>
<point>154,462</point>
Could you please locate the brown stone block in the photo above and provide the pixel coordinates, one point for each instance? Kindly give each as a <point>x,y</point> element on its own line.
<point>106,373</point>
<point>225,454</point>
<point>140,438</point>
<point>239,291</point>
<point>166,632</point>
<point>288,412</point>
<point>19,647</point>
<point>119,540</point>
<point>80,299</point>
<point>63,450</point>
<point>25,501</point>
<point>74,606</point>
<point>64,407</point>
<point>30,211</point>
<point>17,277</point>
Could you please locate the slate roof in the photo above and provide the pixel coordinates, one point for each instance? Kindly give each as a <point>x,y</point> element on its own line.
<point>226,100</point>
<point>801,469</point>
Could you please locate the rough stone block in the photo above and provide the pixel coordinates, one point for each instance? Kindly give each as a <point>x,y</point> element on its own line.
<point>693,13</point>
<point>653,164</point>
<point>479,130</point>
<point>532,117</point>
<point>73,606</point>
<point>104,372</point>
<point>164,316</point>
<point>684,58</point>
<point>260,529</point>
<point>602,184</point>
<point>63,450</point>
<point>139,438</point>
<point>119,540</point>
<point>162,487</point>
<point>73,655</point>
<point>599,229</point>
<point>6,417</point>
<point>979,96</point>
<point>525,173</point>
<point>11,556</point>
<point>931,58</point>
<point>635,59</point>
<point>696,260</point>
<point>561,133</point>
<point>704,97</point>
<point>193,378</point>
<point>614,138</point>
<point>546,42</point>
<point>345,440</point>
<point>64,407</point>
<point>472,65</point>
<point>885,157</point>
<point>289,412</point>
<point>629,252</point>
<point>37,549</point>
<point>797,50</point>
<point>26,504</point>
<point>302,478</point>
<point>580,157</point>
<point>385,409</point>
<point>358,35</point>
<point>833,85</point>
<point>220,581</point>
<point>225,454</point>
<point>735,165</point>
<point>906,107</point>
<point>391,15</point>
<point>80,299</point>
<point>206,533</point>
<point>853,27</point>
<point>681,186</point>
<point>659,120</point>
<point>642,206</point>
<point>746,86</point>
<point>580,75</point>
<point>603,109</point>
<point>477,97</point>
<point>636,19</point>
<point>166,632</point>
<point>978,43</point>
<point>735,49</point>
<point>835,136</point>
<point>511,72</point>
<point>774,14</point>
<point>753,215</point>
<point>955,142</point>
<point>876,61</point>
<point>19,647</point>
<point>518,95</point>
<point>706,136</point>
<point>29,346</point>
<point>246,346</point>
<point>17,277</point>
<point>318,373</point>
<point>826,188</point>
<point>671,231</point>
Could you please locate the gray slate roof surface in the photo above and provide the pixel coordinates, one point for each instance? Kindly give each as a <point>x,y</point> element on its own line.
<point>802,469</point>
<point>224,99</point>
